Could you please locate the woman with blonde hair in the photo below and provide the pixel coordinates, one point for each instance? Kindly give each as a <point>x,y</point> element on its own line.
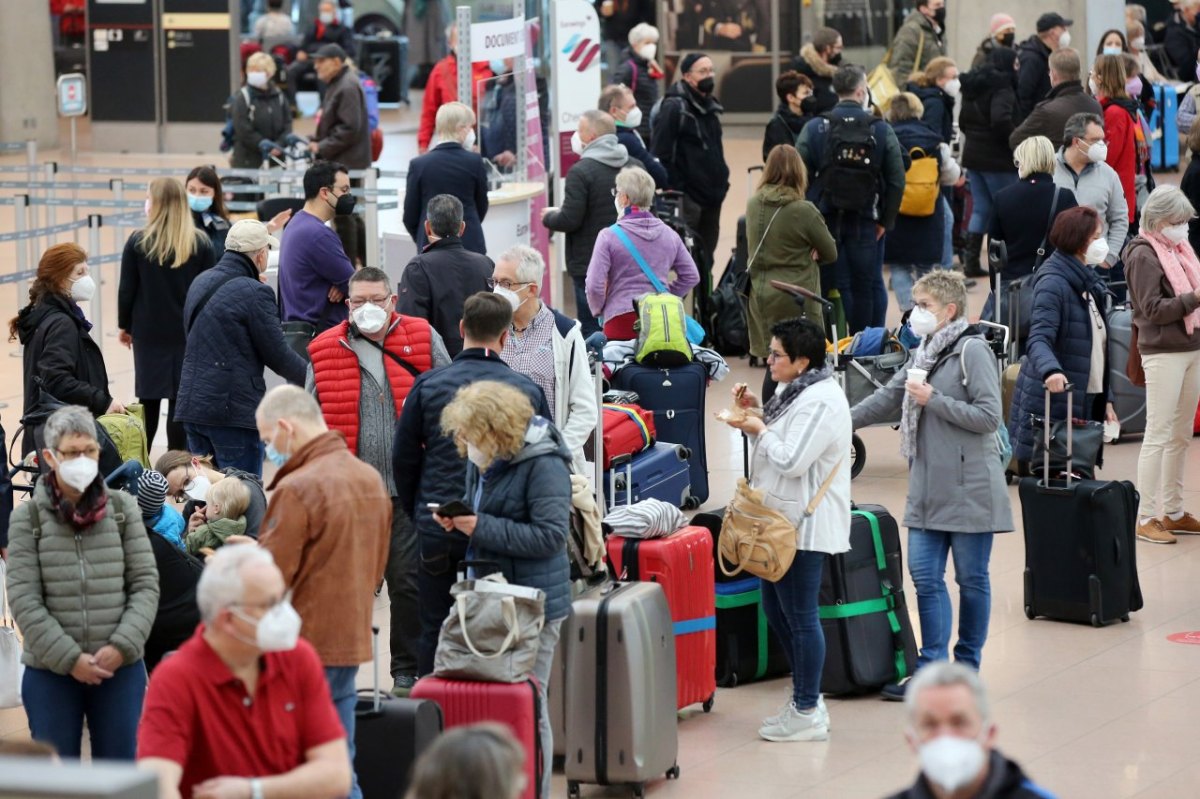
<point>262,116</point>
<point>937,88</point>
<point>787,240</point>
<point>519,487</point>
<point>158,266</point>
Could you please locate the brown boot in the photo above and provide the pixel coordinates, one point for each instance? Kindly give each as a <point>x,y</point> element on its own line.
<point>1154,532</point>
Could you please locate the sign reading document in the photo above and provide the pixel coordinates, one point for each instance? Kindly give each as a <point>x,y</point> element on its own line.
<point>501,39</point>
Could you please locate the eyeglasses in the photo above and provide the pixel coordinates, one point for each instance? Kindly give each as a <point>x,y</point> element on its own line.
<point>92,451</point>
<point>504,284</point>
<point>358,303</point>
<point>775,356</point>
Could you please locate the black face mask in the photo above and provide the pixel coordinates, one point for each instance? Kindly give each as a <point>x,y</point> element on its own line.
<point>808,105</point>
<point>706,85</point>
<point>939,17</point>
<point>1007,39</point>
<point>834,59</point>
<point>345,205</point>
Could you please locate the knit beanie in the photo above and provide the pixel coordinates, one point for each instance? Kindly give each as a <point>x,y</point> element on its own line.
<point>152,492</point>
<point>1000,22</point>
<point>689,60</point>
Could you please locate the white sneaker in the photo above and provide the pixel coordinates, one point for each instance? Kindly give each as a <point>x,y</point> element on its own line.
<point>771,721</point>
<point>796,726</point>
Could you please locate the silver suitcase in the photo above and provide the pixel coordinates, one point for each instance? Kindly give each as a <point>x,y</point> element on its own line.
<point>620,697</point>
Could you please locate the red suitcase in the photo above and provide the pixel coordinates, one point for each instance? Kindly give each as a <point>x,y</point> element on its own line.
<point>682,563</point>
<point>513,704</point>
<point>628,430</point>
<point>1196,423</point>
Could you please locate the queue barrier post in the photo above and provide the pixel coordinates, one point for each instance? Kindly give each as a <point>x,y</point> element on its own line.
<point>371,222</point>
<point>21,216</point>
<point>94,224</point>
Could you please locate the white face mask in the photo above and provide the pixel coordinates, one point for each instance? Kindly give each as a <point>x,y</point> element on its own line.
<point>952,87</point>
<point>469,142</point>
<point>1138,43</point>
<point>197,489</point>
<point>278,630</point>
<point>1064,40</point>
<point>476,456</point>
<point>951,762</point>
<point>146,206</point>
<point>83,289</point>
<point>922,321</point>
<point>370,318</point>
<point>1097,251</point>
<point>648,51</point>
<point>633,117</point>
<point>326,18</point>
<point>1092,87</point>
<point>257,79</point>
<point>78,473</point>
<point>620,208</point>
<point>576,143</point>
<point>1176,234</point>
<point>1097,153</point>
<point>513,298</point>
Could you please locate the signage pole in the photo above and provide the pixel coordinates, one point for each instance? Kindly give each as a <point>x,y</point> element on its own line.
<point>519,64</point>
<point>465,93</point>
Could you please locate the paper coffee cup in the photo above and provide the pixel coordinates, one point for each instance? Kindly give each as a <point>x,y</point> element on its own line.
<point>917,375</point>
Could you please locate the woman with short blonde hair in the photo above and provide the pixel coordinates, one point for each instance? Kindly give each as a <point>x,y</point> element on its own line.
<point>158,266</point>
<point>1035,154</point>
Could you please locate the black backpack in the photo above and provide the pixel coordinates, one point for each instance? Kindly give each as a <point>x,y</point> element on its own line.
<point>728,311</point>
<point>850,172</point>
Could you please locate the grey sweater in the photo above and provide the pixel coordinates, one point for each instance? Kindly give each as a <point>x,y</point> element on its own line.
<point>1099,186</point>
<point>73,593</point>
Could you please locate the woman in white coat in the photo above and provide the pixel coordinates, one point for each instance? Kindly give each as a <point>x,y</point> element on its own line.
<point>801,444</point>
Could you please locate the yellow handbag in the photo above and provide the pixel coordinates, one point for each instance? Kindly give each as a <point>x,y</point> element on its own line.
<point>882,83</point>
<point>921,185</point>
<point>759,539</point>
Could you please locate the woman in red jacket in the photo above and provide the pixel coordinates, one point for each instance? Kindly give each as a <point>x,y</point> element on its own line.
<point>1107,83</point>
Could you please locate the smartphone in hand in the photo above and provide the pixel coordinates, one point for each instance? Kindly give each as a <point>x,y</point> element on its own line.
<point>455,507</point>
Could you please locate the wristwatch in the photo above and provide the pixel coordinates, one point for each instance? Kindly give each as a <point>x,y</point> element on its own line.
<point>256,791</point>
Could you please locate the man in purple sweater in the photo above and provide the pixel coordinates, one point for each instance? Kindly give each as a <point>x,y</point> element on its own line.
<point>314,271</point>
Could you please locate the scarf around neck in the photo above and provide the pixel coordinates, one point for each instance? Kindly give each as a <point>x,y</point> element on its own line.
<point>1181,267</point>
<point>778,404</point>
<point>927,354</point>
<point>92,507</point>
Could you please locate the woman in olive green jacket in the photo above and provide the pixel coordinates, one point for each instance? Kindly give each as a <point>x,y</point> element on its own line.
<point>84,590</point>
<point>787,240</point>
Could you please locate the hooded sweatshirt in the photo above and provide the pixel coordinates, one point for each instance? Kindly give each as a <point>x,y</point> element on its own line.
<point>614,279</point>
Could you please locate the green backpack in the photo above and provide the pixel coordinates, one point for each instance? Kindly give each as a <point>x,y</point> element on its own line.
<point>662,332</point>
<point>128,434</point>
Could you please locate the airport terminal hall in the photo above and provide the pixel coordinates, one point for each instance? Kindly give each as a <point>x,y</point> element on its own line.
<point>516,399</point>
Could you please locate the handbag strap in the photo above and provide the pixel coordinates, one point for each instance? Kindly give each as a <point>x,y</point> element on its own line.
<point>408,367</point>
<point>637,256</point>
<point>816,500</point>
<point>1041,250</point>
<point>508,609</point>
<point>763,240</point>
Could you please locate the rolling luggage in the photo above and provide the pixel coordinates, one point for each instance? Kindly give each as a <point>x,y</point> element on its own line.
<point>676,396</point>
<point>516,705</point>
<point>389,735</point>
<point>385,60</point>
<point>1129,401</point>
<point>1195,425</point>
<point>556,692</point>
<point>868,635</point>
<point>1080,544</point>
<point>621,688</point>
<point>682,564</point>
<point>661,472</point>
<point>1164,128</point>
<point>627,429</point>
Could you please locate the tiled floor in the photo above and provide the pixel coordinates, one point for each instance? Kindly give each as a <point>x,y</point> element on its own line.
<point>1093,713</point>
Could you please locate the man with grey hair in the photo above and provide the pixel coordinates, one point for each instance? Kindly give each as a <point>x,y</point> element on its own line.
<point>244,678</point>
<point>951,731</point>
<point>618,102</point>
<point>452,167</point>
<point>329,526</point>
<point>1081,167</point>
<point>587,206</point>
<point>438,280</point>
<point>548,347</point>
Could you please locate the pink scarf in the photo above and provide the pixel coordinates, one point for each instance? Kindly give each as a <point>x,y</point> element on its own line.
<point>1182,269</point>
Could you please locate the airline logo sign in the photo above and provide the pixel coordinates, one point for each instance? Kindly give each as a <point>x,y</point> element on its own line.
<point>582,52</point>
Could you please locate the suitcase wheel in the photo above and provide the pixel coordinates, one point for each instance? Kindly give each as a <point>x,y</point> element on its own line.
<point>1029,614</point>
<point>708,703</point>
<point>673,772</point>
<point>691,503</point>
<point>639,790</point>
<point>1125,617</point>
<point>858,455</point>
<point>572,789</point>
<point>1096,620</point>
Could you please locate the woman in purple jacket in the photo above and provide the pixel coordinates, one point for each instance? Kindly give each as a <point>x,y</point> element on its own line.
<point>614,277</point>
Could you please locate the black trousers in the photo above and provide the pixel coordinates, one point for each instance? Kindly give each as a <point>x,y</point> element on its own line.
<point>436,575</point>
<point>176,435</point>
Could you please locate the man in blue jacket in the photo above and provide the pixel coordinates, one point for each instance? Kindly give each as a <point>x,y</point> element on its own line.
<point>426,465</point>
<point>231,321</point>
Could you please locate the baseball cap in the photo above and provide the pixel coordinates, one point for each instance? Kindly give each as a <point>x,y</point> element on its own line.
<point>331,51</point>
<point>1052,20</point>
<point>249,235</point>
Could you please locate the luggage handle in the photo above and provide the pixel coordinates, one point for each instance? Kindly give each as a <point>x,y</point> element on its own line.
<point>375,695</point>
<point>1070,437</point>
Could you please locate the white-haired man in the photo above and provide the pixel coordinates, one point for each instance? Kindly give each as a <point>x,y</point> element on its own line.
<point>243,696</point>
<point>548,347</point>
<point>951,731</point>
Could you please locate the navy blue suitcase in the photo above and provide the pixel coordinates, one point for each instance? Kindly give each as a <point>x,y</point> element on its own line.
<point>676,396</point>
<point>660,472</point>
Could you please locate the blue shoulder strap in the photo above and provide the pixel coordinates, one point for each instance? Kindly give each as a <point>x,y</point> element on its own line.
<point>637,256</point>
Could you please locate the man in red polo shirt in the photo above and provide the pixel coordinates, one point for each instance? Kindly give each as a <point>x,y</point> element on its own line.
<point>242,709</point>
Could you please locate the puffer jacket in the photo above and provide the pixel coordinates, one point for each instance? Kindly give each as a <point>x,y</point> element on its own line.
<point>523,516</point>
<point>939,109</point>
<point>229,342</point>
<point>989,113</point>
<point>956,481</point>
<point>259,115</point>
<point>634,71</point>
<point>1060,341</point>
<point>73,593</point>
<point>810,64</point>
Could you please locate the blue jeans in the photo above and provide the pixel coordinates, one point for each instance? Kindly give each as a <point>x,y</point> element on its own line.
<point>903,278</point>
<point>858,272</point>
<point>791,609</point>
<point>947,235</point>
<point>984,186</point>
<point>230,446</point>
<point>341,687</point>
<point>927,550</point>
<point>582,311</point>
<point>57,704</point>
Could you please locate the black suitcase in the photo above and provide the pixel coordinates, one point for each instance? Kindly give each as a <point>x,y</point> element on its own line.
<point>676,396</point>
<point>385,60</point>
<point>868,635</point>
<point>389,735</point>
<point>1080,544</point>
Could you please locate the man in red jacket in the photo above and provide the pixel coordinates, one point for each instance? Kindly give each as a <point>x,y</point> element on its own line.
<point>361,373</point>
<point>443,88</point>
